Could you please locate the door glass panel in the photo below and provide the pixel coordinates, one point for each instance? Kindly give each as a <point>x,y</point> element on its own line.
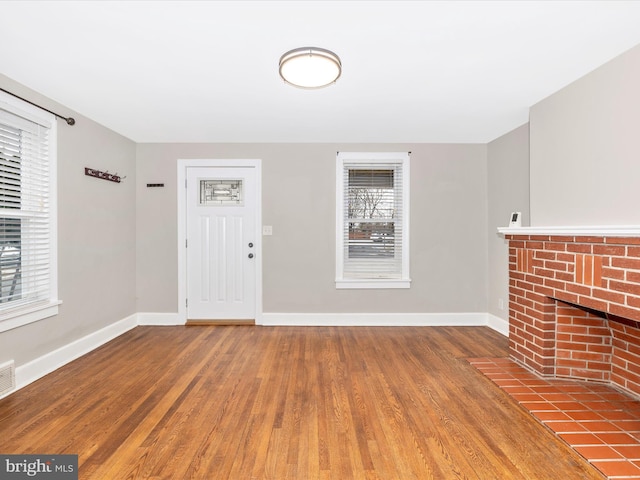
<point>221,192</point>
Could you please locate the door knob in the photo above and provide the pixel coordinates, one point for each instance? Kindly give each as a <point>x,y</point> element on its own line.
<point>251,255</point>
<point>250,244</point>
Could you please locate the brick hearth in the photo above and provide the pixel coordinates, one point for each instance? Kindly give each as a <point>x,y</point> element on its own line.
<point>574,306</point>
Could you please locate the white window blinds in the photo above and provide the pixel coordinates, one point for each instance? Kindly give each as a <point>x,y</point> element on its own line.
<point>25,211</point>
<point>373,218</point>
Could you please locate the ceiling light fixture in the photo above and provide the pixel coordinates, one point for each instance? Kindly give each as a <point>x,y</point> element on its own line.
<point>310,67</point>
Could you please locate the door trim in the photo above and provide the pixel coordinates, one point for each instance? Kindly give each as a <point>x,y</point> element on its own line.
<point>183,164</point>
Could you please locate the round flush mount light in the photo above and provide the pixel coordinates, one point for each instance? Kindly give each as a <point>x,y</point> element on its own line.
<point>310,67</point>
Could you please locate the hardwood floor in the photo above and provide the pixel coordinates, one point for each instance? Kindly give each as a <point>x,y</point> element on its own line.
<point>241,402</point>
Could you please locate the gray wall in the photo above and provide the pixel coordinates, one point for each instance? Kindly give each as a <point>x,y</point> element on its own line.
<point>508,191</point>
<point>448,228</point>
<point>585,149</point>
<point>96,237</point>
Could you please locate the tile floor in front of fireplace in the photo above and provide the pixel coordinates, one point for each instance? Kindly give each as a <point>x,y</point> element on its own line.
<point>596,420</point>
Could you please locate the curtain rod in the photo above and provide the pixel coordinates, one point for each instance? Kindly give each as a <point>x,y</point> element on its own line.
<point>69,120</point>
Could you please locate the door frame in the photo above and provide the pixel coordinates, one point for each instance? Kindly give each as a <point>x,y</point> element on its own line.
<point>183,164</point>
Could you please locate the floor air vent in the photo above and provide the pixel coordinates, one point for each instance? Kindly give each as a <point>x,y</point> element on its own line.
<point>7,377</point>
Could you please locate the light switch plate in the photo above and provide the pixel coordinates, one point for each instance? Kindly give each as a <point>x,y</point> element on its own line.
<point>267,230</point>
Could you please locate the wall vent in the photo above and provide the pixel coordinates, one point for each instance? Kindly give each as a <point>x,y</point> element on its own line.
<point>7,377</point>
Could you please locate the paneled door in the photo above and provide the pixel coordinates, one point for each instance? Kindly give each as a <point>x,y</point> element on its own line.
<point>221,239</point>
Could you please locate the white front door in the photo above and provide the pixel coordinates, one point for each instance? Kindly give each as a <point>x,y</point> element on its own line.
<point>221,243</point>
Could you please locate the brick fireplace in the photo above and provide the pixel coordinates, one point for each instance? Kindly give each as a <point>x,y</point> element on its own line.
<point>574,303</point>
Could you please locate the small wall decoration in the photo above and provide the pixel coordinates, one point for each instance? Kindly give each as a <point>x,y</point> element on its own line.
<point>92,172</point>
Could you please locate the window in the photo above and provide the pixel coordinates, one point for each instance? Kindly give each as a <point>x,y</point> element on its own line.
<point>28,275</point>
<point>221,192</point>
<point>372,220</point>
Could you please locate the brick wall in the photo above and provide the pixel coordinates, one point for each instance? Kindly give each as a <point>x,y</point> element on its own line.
<point>583,344</point>
<point>548,274</point>
<point>625,363</point>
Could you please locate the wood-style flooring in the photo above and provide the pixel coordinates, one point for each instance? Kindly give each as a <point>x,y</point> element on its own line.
<point>251,402</point>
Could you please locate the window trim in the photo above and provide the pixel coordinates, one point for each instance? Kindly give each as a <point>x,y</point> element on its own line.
<point>373,159</point>
<point>38,309</point>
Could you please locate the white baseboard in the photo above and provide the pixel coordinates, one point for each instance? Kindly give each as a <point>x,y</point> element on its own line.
<point>147,318</point>
<point>498,324</point>
<point>376,319</point>
<point>38,368</point>
<point>473,319</point>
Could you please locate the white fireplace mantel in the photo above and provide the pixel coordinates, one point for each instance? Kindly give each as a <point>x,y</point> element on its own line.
<point>590,230</point>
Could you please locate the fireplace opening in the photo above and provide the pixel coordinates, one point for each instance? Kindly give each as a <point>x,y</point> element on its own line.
<point>597,346</point>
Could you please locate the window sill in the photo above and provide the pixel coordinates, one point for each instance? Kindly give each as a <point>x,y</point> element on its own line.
<point>28,314</point>
<point>382,283</point>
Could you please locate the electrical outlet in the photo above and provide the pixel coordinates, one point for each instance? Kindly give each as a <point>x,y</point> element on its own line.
<point>267,230</point>
<point>500,304</point>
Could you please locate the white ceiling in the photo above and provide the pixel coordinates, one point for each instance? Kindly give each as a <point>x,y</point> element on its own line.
<point>207,71</point>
